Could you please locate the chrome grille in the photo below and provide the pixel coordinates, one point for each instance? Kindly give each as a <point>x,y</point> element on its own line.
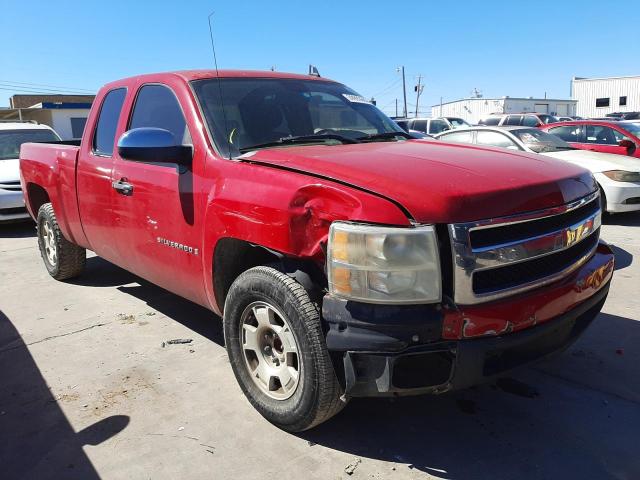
<point>11,186</point>
<point>500,257</point>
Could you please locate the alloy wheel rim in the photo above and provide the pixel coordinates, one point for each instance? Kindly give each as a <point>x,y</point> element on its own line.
<point>270,350</point>
<point>49,243</point>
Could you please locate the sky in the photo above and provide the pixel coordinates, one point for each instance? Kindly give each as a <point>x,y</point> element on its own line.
<point>515,48</point>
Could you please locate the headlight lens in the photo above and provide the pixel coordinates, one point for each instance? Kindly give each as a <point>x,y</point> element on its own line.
<point>623,176</point>
<point>383,264</point>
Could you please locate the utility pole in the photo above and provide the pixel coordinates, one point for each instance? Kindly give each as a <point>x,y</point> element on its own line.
<point>404,90</point>
<point>418,88</point>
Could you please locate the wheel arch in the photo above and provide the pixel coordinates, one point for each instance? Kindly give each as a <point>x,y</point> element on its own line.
<point>36,196</point>
<point>233,256</point>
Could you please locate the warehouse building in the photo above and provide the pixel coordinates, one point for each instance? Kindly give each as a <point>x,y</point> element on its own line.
<point>66,114</point>
<point>473,109</point>
<point>598,96</point>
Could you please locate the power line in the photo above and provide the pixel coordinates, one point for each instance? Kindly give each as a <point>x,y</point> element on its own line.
<point>46,85</point>
<point>49,91</point>
<point>388,87</point>
<point>39,92</point>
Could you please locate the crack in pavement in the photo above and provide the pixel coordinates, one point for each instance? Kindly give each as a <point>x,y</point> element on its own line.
<point>46,339</point>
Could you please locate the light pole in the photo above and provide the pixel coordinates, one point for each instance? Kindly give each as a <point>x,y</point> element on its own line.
<point>404,89</point>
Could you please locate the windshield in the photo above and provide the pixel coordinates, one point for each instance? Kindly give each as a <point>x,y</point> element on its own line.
<point>633,128</point>
<point>259,111</point>
<point>540,141</point>
<point>10,140</point>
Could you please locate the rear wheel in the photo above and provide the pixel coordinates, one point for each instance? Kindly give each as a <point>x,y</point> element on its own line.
<point>62,258</point>
<point>277,350</point>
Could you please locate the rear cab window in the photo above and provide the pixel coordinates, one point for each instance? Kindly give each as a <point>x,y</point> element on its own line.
<point>105,133</point>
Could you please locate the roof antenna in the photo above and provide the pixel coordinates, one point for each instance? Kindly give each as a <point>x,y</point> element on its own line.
<point>313,71</point>
<point>228,134</point>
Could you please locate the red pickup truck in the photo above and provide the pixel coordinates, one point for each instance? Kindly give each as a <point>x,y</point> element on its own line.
<point>346,258</point>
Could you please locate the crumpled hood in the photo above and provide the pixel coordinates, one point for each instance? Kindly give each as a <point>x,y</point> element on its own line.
<point>596,161</point>
<point>440,182</point>
<point>9,170</point>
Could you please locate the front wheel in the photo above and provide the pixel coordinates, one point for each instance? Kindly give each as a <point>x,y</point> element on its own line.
<point>277,350</point>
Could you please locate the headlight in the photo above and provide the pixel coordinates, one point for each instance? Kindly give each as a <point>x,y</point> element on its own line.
<point>623,176</point>
<point>383,264</point>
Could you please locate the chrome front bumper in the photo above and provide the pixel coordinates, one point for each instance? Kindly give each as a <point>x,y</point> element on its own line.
<point>12,205</point>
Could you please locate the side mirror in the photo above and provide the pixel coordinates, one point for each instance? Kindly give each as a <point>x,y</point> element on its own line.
<point>626,143</point>
<point>153,145</point>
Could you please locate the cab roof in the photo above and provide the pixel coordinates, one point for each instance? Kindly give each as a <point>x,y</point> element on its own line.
<point>190,75</point>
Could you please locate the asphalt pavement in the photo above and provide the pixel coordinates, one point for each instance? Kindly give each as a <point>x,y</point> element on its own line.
<point>88,391</point>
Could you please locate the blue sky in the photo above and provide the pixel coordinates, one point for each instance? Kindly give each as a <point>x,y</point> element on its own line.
<point>519,48</point>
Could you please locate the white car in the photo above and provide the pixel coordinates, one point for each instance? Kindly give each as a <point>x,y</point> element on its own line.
<point>12,135</point>
<point>430,126</point>
<point>617,175</point>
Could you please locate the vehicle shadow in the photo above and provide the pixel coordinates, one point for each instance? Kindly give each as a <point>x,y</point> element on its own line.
<point>98,272</point>
<point>196,318</point>
<point>101,273</point>
<point>623,257</point>
<point>627,219</point>
<point>581,423</point>
<point>36,440</point>
<point>24,229</point>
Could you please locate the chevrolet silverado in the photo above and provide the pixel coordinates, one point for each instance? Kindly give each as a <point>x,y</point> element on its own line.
<point>345,257</point>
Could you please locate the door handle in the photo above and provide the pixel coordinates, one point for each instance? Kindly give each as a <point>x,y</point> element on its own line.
<point>123,187</point>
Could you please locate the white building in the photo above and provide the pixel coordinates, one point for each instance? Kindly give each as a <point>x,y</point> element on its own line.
<point>67,119</point>
<point>598,96</point>
<point>473,109</point>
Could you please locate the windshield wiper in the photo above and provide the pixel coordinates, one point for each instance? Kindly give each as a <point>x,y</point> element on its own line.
<point>300,139</point>
<point>386,135</point>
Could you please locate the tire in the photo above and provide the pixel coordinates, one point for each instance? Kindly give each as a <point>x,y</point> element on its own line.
<point>603,202</point>
<point>264,296</point>
<point>62,258</point>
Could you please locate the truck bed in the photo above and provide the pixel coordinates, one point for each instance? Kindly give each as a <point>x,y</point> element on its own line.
<point>50,169</point>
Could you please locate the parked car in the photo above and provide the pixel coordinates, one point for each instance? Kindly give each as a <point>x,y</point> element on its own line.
<point>525,119</point>
<point>565,119</point>
<point>623,115</point>
<point>622,137</point>
<point>12,135</point>
<point>618,177</point>
<point>430,126</point>
<point>346,258</point>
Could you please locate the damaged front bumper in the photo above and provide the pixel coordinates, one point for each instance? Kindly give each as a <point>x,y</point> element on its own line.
<point>401,350</point>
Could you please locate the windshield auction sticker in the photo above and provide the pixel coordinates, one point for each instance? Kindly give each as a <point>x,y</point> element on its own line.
<point>355,98</point>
